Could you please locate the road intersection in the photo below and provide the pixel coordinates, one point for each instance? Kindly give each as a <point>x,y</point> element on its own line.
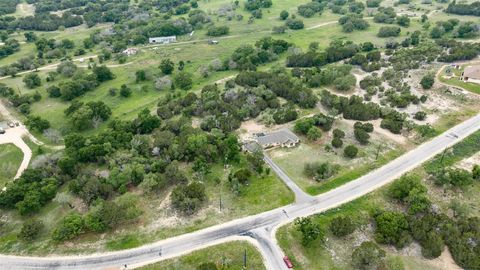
<point>261,227</point>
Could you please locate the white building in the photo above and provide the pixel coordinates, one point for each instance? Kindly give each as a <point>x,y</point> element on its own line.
<point>471,74</point>
<point>130,51</point>
<point>162,40</point>
<point>282,138</point>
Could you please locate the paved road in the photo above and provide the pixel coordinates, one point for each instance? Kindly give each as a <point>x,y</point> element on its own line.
<point>300,195</point>
<point>261,227</point>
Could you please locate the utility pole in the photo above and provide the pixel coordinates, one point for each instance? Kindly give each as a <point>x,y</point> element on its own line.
<point>378,151</point>
<point>220,200</point>
<point>245,259</point>
<point>441,160</point>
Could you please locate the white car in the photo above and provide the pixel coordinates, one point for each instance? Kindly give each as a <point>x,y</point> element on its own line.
<point>2,131</point>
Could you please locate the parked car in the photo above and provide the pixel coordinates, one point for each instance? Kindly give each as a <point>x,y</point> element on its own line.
<point>11,124</point>
<point>287,261</point>
<point>2,131</point>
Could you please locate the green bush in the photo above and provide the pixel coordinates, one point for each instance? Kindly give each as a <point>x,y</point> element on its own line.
<point>350,151</point>
<point>69,227</point>
<point>30,230</point>
<point>367,256</point>
<point>342,226</point>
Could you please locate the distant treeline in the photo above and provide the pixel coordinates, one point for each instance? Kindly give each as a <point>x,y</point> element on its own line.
<point>464,9</point>
<point>8,6</point>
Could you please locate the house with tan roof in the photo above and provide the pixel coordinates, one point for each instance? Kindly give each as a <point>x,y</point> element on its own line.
<point>471,74</point>
<point>282,137</point>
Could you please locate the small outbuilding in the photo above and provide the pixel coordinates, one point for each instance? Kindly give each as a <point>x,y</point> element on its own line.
<point>471,74</point>
<point>130,51</point>
<point>162,40</point>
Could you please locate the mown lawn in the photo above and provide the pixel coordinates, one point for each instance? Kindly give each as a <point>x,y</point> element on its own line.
<point>10,157</point>
<point>225,256</point>
<point>472,87</point>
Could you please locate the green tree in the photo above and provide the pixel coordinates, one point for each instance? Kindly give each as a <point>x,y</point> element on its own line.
<point>432,246</point>
<point>361,135</point>
<point>392,228</point>
<point>350,151</point>
<point>167,66</point>
<point>125,91</point>
<point>30,230</point>
<point>103,73</point>
<point>188,198</point>
<point>69,227</point>
<point>284,15</point>
<point>140,76</point>
<point>403,20</point>
<point>37,123</point>
<point>314,133</point>
<point>342,226</point>
<point>337,142</point>
<point>368,256</point>
<point>183,80</point>
<point>81,119</point>
<point>428,80</point>
<point>476,172</point>
<point>310,230</point>
<point>32,80</point>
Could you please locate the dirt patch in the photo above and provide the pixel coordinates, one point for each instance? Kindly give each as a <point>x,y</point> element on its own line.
<point>445,261</point>
<point>196,122</point>
<point>249,127</point>
<point>24,10</point>
<point>468,163</point>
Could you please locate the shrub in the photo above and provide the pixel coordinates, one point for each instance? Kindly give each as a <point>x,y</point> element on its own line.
<point>350,151</point>
<point>32,80</point>
<point>392,228</point>
<point>337,142</point>
<point>69,227</point>
<point>367,256</point>
<point>420,115</point>
<point>188,198</point>
<point>310,230</point>
<point>216,31</point>
<point>389,31</point>
<point>314,133</point>
<point>183,80</point>
<point>294,24</point>
<point>342,226</point>
<point>428,80</point>
<point>320,171</point>
<point>284,15</point>
<point>30,230</point>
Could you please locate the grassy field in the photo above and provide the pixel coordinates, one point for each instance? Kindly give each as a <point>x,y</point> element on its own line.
<point>158,221</point>
<point>456,82</point>
<point>293,160</point>
<point>336,253</point>
<point>225,256</point>
<point>11,157</point>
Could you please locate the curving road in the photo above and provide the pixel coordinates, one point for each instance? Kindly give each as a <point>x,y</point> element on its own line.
<point>261,227</point>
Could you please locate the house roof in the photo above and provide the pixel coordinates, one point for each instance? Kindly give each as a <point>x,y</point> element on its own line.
<point>252,147</point>
<point>163,38</point>
<point>472,72</point>
<point>277,137</point>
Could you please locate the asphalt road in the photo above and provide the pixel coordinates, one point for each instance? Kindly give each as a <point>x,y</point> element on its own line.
<point>300,195</point>
<point>260,227</point>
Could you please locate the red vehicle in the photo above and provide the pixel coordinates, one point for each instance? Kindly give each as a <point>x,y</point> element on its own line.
<point>287,262</point>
